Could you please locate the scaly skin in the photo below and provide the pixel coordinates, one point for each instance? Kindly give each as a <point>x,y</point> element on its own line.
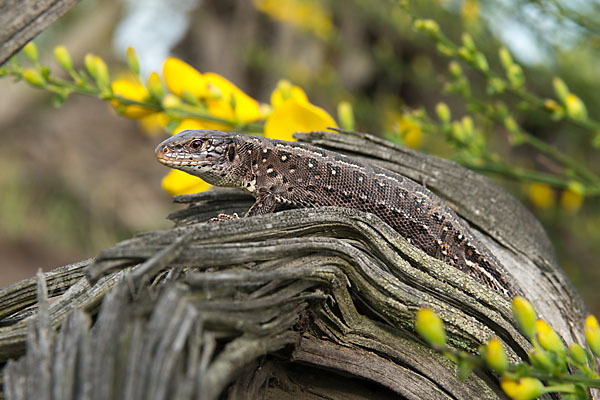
<point>276,171</point>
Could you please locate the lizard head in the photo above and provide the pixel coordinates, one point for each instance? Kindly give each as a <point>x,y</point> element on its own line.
<point>207,154</point>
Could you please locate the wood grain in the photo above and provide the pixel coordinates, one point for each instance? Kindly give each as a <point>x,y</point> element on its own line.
<point>22,20</point>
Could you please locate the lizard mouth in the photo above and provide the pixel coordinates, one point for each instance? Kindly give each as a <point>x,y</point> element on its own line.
<point>177,159</point>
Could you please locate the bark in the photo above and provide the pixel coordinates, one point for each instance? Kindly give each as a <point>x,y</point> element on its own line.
<point>22,20</point>
<point>302,304</point>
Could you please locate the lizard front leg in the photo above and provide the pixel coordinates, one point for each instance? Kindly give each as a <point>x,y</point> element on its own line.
<point>265,204</point>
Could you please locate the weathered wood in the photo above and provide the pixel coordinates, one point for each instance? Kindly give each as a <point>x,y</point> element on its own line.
<point>22,20</point>
<point>261,307</point>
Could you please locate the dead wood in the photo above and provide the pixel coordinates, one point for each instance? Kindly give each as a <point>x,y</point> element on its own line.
<point>308,304</point>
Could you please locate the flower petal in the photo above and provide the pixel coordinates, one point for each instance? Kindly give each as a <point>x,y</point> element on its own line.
<point>132,91</point>
<point>293,116</point>
<point>286,91</point>
<point>178,182</point>
<point>241,108</point>
<point>180,76</point>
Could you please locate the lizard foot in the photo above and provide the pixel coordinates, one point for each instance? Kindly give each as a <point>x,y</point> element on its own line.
<point>223,217</point>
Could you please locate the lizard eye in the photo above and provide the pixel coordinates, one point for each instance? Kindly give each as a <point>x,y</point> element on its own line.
<point>196,144</point>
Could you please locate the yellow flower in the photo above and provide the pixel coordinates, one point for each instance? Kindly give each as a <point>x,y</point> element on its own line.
<point>132,91</point>
<point>309,15</point>
<point>541,195</point>
<point>180,76</point>
<point>178,182</point>
<point>233,104</point>
<point>292,112</point>
<point>571,198</point>
<point>221,98</point>
<point>410,132</point>
<point>188,124</point>
<point>154,124</point>
<point>470,10</point>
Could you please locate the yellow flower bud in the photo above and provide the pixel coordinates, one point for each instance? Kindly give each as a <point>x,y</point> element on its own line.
<point>171,101</point>
<point>541,194</point>
<point>443,112</point>
<point>455,69</point>
<point>578,353</point>
<point>541,360</point>
<point>525,316</point>
<point>63,57</point>
<point>560,88</point>
<point>575,108</point>
<point>481,62</point>
<point>33,77</point>
<point>465,54</point>
<point>189,97</point>
<point>458,131</point>
<point>551,105</point>
<point>548,338</point>
<point>515,75</point>
<point>445,50</point>
<point>31,52</point>
<point>523,388</point>
<point>155,86</point>
<point>90,64</point>
<point>505,58</point>
<point>468,42</point>
<point>468,126</point>
<point>430,327</point>
<point>284,87</point>
<point>495,357</point>
<point>571,199</point>
<point>496,85</point>
<point>346,115</point>
<point>132,61</point>
<point>428,25</point>
<point>592,334</point>
<point>102,78</point>
<point>213,92</point>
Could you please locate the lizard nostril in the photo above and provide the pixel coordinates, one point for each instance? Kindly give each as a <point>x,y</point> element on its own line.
<point>165,148</point>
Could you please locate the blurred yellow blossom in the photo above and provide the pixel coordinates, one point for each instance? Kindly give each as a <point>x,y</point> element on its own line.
<point>221,98</point>
<point>233,104</point>
<point>154,124</point>
<point>309,15</point>
<point>541,195</point>
<point>292,112</point>
<point>470,10</point>
<point>131,90</point>
<point>571,200</point>
<point>402,126</point>
<point>178,182</point>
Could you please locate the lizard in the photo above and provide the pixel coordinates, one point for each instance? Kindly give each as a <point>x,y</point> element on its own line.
<point>302,175</point>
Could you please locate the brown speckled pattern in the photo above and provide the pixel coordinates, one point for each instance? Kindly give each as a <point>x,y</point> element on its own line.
<point>306,176</point>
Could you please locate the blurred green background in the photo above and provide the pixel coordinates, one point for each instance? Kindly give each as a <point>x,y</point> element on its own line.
<point>79,178</point>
